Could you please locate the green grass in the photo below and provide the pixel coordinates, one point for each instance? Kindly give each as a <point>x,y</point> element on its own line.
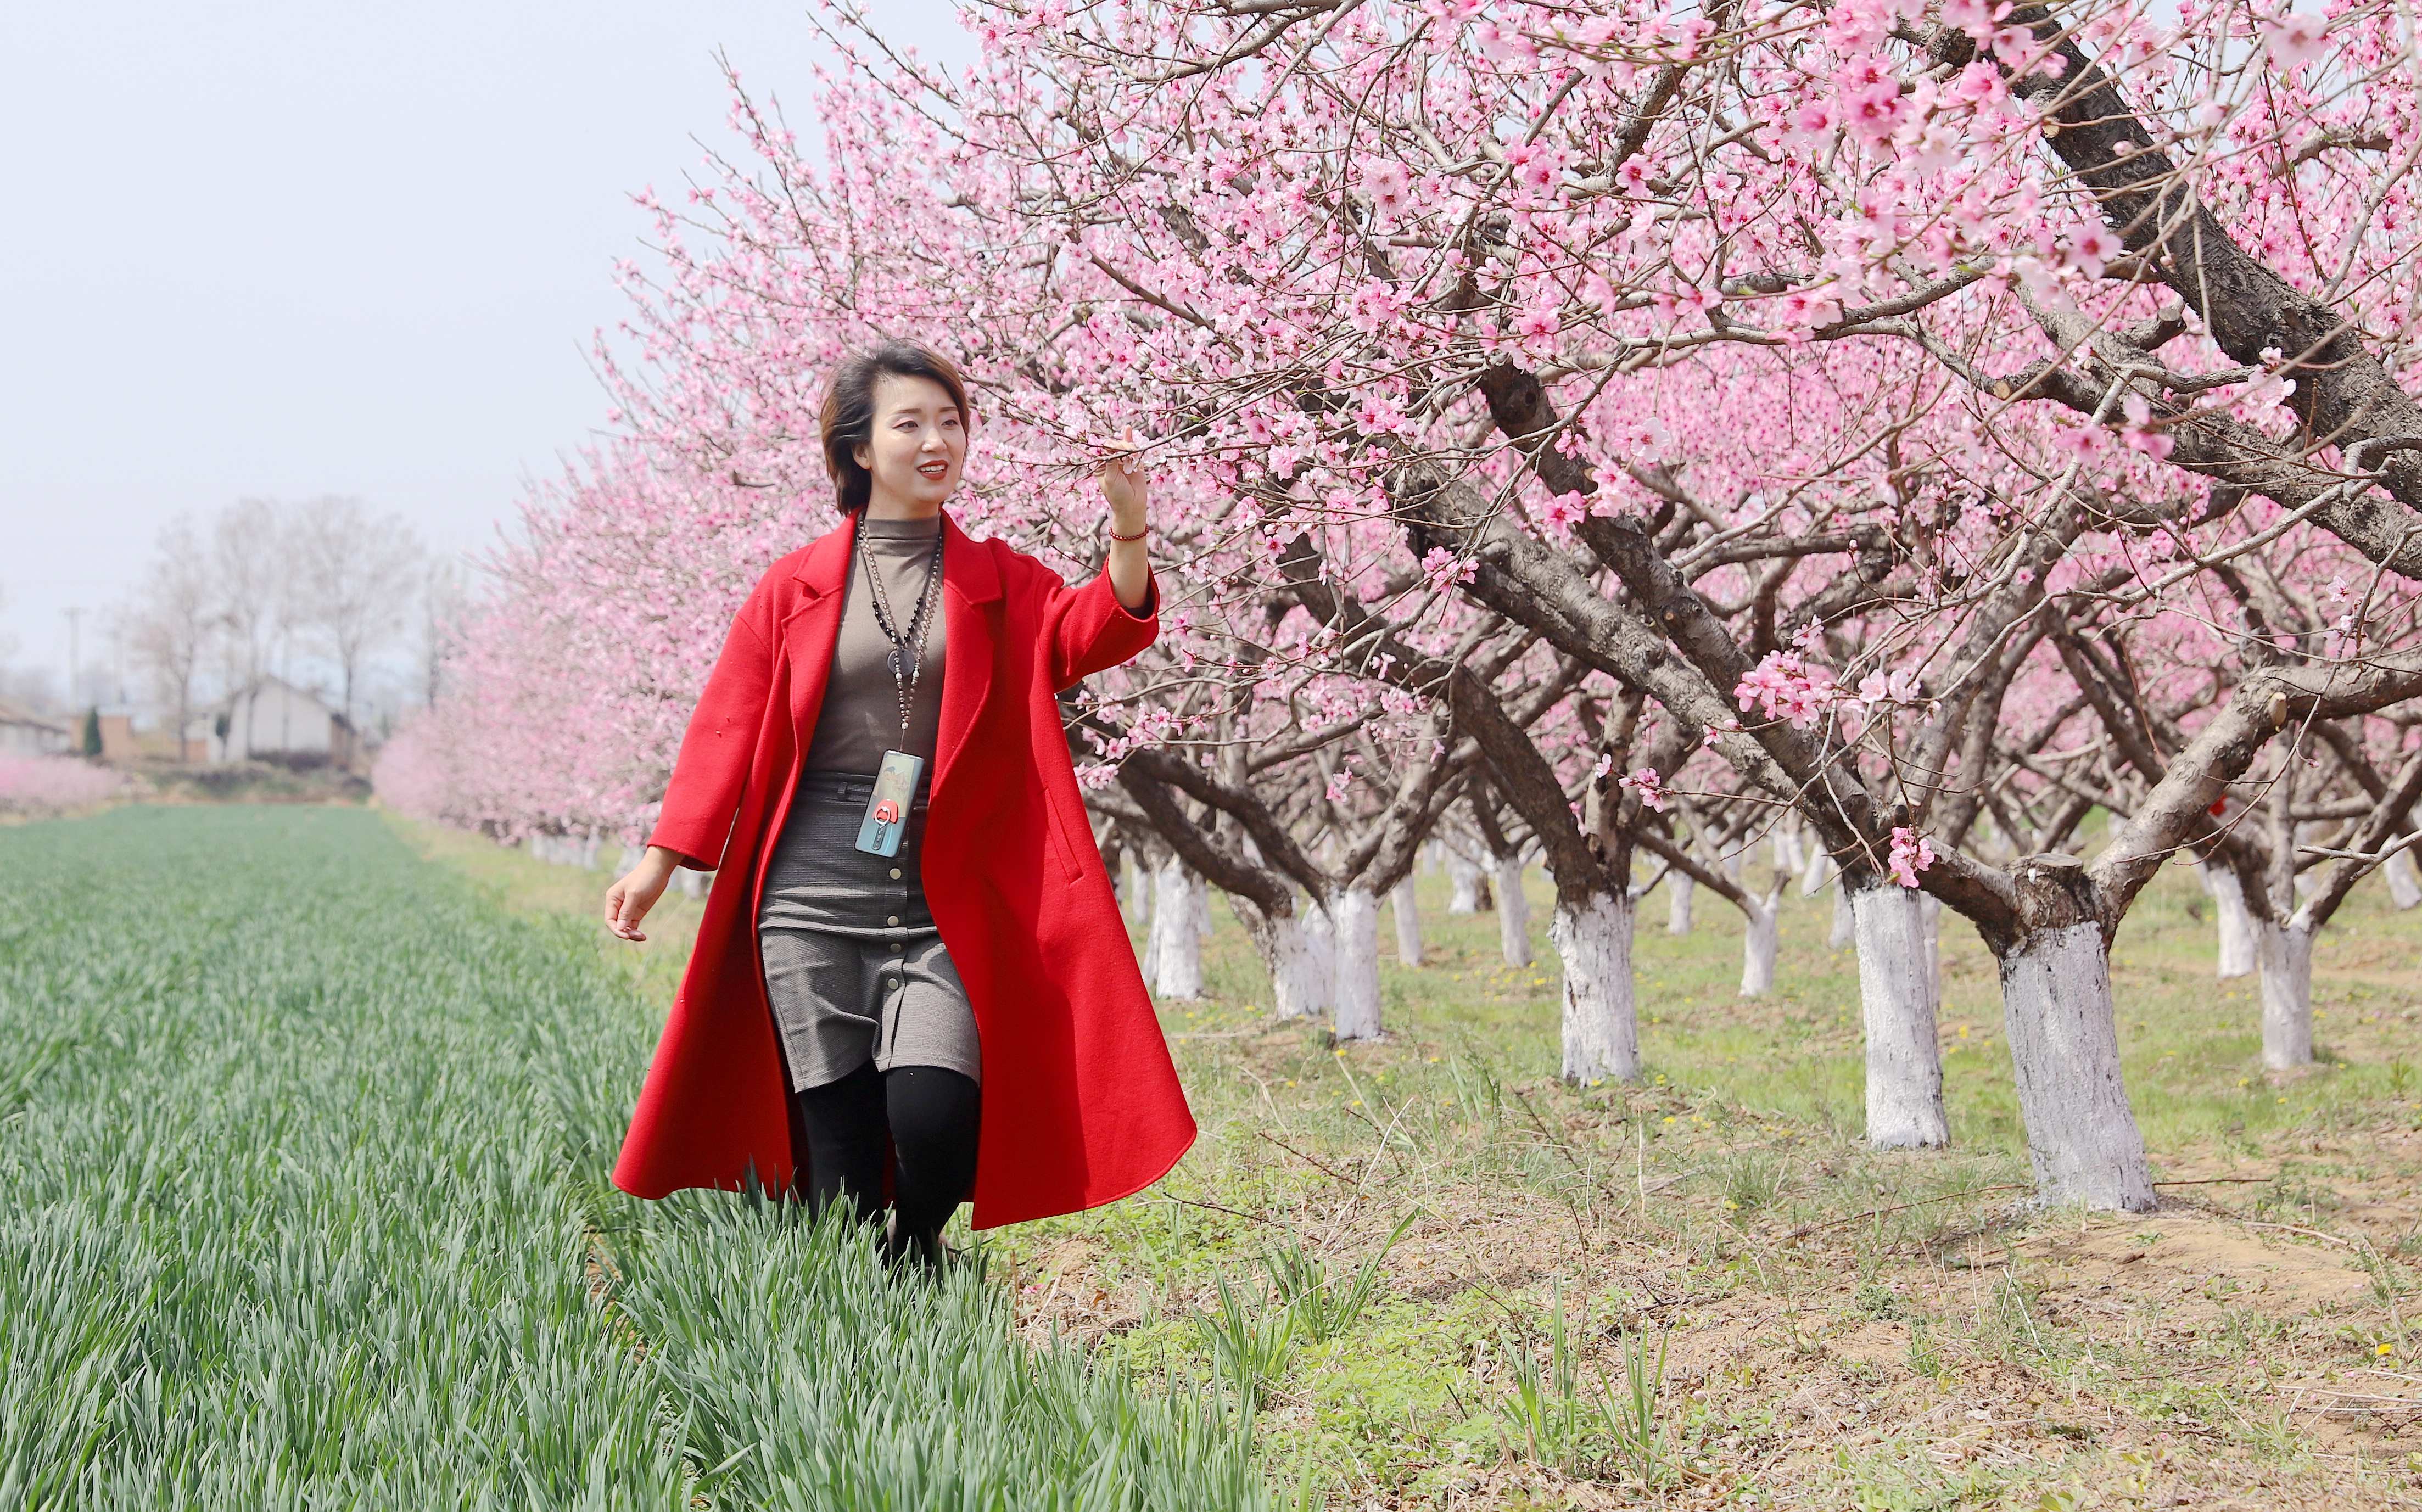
<point>1841,1329</point>
<point>302,1202</point>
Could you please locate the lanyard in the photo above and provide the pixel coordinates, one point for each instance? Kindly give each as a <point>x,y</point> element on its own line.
<point>907,654</point>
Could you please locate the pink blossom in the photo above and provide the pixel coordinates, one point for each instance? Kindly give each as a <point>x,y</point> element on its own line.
<point>1650,787</point>
<point>1444,568</point>
<point>2296,39</point>
<point>1912,853</point>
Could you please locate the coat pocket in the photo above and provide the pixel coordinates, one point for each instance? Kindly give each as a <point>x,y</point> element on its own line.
<point>1072,858</point>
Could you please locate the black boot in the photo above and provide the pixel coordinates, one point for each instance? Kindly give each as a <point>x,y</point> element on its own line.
<point>914,1251</point>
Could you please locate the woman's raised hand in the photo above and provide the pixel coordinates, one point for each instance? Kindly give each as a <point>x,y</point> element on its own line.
<point>1125,484</point>
<point>629,899</point>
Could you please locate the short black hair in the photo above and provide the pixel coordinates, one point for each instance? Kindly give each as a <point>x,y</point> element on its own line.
<point>848,418</point>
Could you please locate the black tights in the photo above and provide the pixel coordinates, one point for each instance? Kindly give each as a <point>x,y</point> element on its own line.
<point>928,1116</point>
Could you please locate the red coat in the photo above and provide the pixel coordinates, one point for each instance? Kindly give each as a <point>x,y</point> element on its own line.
<point>1082,1104</point>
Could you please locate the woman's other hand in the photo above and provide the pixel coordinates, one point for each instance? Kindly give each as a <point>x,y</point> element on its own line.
<point>1125,484</point>
<point>1127,489</point>
<point>629,899</point>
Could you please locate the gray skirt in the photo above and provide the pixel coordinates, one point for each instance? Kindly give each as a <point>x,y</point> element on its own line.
<point>854,966</point>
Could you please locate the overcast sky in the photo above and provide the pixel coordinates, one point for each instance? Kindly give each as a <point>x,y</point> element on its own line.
<point>264,247</point>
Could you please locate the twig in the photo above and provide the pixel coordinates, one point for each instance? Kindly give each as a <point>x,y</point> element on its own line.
<point>2293,1228</point>
<point>1189,1202</point>
<point>1323,1165</point>
<point>1806,1229</point>
<point>1564,1148</point>
<point>2221,1181</point>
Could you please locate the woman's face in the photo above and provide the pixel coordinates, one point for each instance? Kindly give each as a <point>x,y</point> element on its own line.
<point>919,443</point>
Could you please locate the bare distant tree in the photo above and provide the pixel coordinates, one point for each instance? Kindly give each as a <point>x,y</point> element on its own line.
<point>249,559</point>
<point>445,594</point>
<point>174,619</point>
<point>355,581</point>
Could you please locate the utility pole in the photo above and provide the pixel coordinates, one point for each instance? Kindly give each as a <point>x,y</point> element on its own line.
<point>75,616</point>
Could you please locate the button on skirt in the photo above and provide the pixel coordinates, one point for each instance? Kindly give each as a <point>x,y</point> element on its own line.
<point>854,965</point>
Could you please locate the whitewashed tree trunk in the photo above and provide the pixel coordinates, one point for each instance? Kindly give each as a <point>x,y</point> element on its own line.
<point>1286,950</point>
<point>1513,912</point>
<point>1593,938</point>
<point>2287,955</point>
<point>1356,911</point>
<point>1433,857</point>
<point>1463,876</point>
<point>695,884</point>
<point>2237,944</point>
<point>1759,943</point>
<point>1844,923</point>
<point>1897,1000</point>
<point>1678,892</point>
<point>1201,906</point>
<point>2082,1137</point>
<point>1408,922</point>
<point>1320,955</point>
<point>631,856</point>
<point>1177,946</point>
<point>2404,883</point>
<point>1135,892</point>
<point>1930,913</point>
<point>1820,866</point>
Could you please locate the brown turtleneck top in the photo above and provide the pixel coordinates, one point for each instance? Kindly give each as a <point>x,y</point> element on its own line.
<point>859,718</point>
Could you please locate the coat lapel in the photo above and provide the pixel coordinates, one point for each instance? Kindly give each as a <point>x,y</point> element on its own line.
<point>809,633</point>
<point>970,585</point>
<point>970,589</point>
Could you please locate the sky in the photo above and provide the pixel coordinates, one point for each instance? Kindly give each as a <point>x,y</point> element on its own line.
<point>269,248</point>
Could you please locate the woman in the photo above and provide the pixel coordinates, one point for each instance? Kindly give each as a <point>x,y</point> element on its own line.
<point>912,972</point>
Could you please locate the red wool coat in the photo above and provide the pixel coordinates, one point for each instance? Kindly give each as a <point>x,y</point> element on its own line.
<point>1082,1104</point>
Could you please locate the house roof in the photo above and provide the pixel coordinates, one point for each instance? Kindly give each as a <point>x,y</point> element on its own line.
<point>19,714</point>
<point>272,679</point>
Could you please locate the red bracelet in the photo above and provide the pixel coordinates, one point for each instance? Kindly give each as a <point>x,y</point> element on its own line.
<point>1138,536</point>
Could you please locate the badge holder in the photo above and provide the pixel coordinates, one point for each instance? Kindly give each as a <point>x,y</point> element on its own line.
<point>887,807</point>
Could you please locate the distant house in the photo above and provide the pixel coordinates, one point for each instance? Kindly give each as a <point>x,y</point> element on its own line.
<point>131,733</point>
<point>271,719</point>
<point>24,733</point>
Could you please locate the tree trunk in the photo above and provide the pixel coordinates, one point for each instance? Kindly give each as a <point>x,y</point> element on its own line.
<point>1176,950</point>
<point>2404,883</point>
<point>1201,894</point>
<point>1320,955</point>
<point>1759,942</point>
<point>1356,910</point>
<point>1470,884</point>
<point>1513,912</point>
<point>1134,896</point>
<point>1897,1000</point>
<point>1593,938</point>
<point>1285,949</point>
<point>1408,922</point>
<point>695,884</point>
<point>1678,888</point>
<point>1820,866</point>
<point>2287,955</point>
<point>2237,945</point>
<point>1844,923</point>
<point>2082,1137</point>
<point>1929,912</point>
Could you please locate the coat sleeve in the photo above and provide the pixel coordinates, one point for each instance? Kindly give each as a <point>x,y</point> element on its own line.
<point>703,794</point>
<point>1086,629</point>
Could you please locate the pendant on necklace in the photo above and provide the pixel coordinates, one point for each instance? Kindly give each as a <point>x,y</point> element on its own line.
<point>887,807</point>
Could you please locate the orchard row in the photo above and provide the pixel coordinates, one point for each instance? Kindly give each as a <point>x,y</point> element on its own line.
<point>1896,432</point>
